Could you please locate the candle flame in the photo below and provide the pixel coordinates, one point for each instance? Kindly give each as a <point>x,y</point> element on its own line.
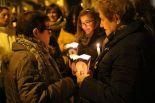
<point>98,44</point>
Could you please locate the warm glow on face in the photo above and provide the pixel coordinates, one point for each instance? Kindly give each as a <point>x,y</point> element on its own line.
<point>109,26</point>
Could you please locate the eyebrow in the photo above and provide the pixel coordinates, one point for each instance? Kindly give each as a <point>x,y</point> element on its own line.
<point>87,21</point>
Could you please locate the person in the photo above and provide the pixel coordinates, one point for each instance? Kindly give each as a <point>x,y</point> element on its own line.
<point>7,37</point>
<point>146,14</point>
<point>89,33</point>
<point>57,21</point>
<point>125,68</point>
<point>33,75</point>
<point>68,32</point>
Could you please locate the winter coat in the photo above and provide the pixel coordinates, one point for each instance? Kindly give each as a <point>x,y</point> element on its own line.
<point>125,69</point>
<point>33,76</point>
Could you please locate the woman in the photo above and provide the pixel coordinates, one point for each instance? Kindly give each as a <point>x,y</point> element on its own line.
<point>89,33</point>
<point>125,68</point>
<point>57,20</point>
<point>33,76</point>
<point>56,23</point>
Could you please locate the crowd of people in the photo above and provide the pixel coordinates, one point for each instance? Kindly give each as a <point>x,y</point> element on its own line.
<point>35,66</point>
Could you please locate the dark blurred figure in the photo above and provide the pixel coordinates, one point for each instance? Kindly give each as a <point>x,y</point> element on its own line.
<point>145,12</point>
<point>72,18</point>
<point>57,21</point>
<point>67,34</point>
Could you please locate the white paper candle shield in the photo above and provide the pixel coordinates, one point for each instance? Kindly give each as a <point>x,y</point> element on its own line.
<point>71,45</point>
<point>72,48</point>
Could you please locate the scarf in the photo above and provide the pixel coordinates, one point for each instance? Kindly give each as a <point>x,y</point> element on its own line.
<point>41,53</point>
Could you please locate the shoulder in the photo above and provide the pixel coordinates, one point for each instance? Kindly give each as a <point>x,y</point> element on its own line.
<point>22,57</point>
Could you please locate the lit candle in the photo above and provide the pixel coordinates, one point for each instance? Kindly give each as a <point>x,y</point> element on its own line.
<point>98,48</point>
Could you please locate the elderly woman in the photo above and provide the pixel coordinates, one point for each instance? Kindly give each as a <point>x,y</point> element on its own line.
<point>126,65</point>
<point>33,75</point>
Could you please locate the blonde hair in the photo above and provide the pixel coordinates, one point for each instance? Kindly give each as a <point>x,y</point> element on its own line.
<point>123,8</point>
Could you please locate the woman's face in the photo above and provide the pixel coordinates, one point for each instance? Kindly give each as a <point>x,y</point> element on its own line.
<point>88,24</point>
<point>53,15</point>
<point>109,26</point>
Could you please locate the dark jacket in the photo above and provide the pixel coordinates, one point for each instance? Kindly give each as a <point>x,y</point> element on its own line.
<point>26,83</point>
<point>125,69</point>
<point>87,46</point>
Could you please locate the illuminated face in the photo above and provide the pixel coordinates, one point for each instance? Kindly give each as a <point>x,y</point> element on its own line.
<point>4,17</point>
<point>88,25</point>
<point>53,15</point>
<point>109,26</point>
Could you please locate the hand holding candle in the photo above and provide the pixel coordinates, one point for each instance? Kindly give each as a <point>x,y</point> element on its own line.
<point>81,63</point>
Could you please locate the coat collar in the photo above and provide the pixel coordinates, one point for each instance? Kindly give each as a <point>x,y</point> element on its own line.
<point>120,34</point>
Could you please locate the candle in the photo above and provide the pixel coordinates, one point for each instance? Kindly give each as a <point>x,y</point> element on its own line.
<point>98,48</point>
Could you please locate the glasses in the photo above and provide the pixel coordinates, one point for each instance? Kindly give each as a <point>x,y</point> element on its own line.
<point>48,28</point>
<point>87,23</point>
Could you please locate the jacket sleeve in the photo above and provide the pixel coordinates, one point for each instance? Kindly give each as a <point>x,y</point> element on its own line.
<point>114,85</point>
<point>33,88</point>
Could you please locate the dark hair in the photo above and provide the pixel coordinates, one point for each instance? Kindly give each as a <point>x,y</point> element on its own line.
<point>56,8</point>
<point>145,13</point>
<point>2,8</point>
<point>30,20</point>
<point>123,8</point>
<point>72,16</point>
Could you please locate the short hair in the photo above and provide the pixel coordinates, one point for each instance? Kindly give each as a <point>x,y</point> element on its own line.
<point>92,14</point>
<point>123,8</point>
<point>30,20</point>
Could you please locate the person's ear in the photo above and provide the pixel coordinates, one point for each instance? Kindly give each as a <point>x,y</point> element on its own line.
<point>35,32</point>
